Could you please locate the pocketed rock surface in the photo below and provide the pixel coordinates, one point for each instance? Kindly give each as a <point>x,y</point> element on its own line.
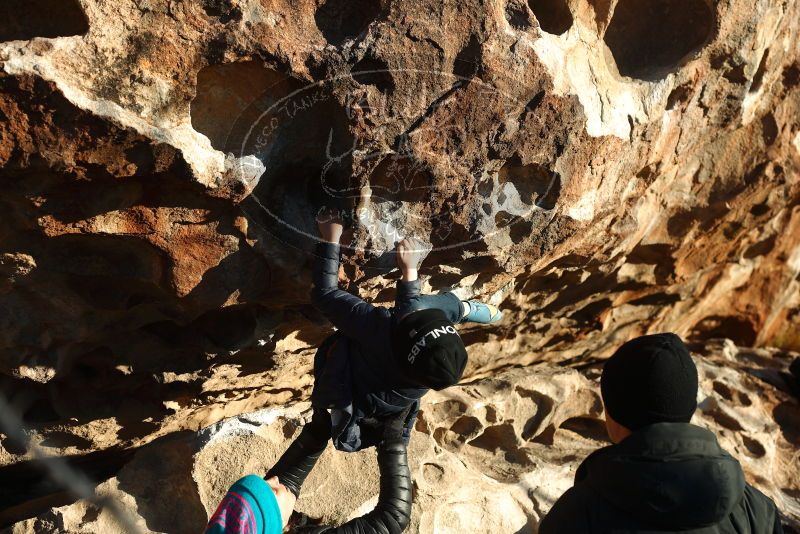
<point>598,168</point>
<point>488,456</point>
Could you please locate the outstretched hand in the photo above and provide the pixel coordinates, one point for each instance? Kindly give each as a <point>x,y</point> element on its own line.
<point>330,225</point>
<point>408,254</point>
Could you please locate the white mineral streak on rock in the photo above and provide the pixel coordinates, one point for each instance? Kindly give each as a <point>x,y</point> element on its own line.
<point>578,63</point>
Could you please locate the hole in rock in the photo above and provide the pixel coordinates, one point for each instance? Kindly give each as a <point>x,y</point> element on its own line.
<point>728,394</point>
<point>738,329</point>
<point>653,254</point>
<point>26,19</point>
<point>96,367</point>
<point>554,16</point>
<point>253,361</point>
<point>791,76</point>
<point>649,38</point>
<point>485,189</point>
<point>546,437</point>
<point>61,439</point>
<point>445,280</point>
<point>520,230</point>
<point>13,446</point>
<point>466,426</point>
<point>656,299</point>
<point>759,172</point>
<point>679,96</point>
<point>468,61</point>
<point>491,414</point>
<point>769,129</point>
<point>497,437</point>
<point>534,183</point>
<point>591,312</point>
<point>754,448</point>
<point>223,9</point>
<point>760,248</point>
<point>723,390</point>
<point>794,368</point>
<point>136,429</point>
<point>587,427</point>
<point>787,415</point>
<point>299,132</point>
<point>91,515</point>
<point>503,218</point>
<point>744,398</point>
<point>373,71</point>
<point>342,19</point>
<point>760,209</point>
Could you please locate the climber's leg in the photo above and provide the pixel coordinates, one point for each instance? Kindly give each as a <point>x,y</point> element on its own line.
<point>448,302</point>
<point>457,310</point>
<point>479,312</point>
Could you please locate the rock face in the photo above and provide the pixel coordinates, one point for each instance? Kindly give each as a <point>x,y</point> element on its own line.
<point>599,168</point>
<point>492,455</point>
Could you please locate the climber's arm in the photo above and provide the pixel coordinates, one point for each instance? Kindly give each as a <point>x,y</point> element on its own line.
<point>408,287</point>
<point>350,314</point>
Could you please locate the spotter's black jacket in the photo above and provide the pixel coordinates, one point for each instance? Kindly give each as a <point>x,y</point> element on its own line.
<point>666,477</point>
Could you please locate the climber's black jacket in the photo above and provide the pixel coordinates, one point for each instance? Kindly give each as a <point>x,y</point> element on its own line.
<point>354,371</point>
<point>667,477</point>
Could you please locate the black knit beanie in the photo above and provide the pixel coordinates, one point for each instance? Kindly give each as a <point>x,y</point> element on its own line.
<point>650,379</point>
<point>429,350</point>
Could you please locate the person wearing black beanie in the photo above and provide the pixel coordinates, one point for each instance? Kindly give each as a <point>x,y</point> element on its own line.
<point>661,474</point>
<point>650,379</point>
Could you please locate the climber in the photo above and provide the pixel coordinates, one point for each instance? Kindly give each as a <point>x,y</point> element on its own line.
<point>662,473</point>
<point>255,506</point>
<point>380,361</point>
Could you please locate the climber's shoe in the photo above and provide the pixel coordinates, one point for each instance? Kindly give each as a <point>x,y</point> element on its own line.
<point>482,313</point>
